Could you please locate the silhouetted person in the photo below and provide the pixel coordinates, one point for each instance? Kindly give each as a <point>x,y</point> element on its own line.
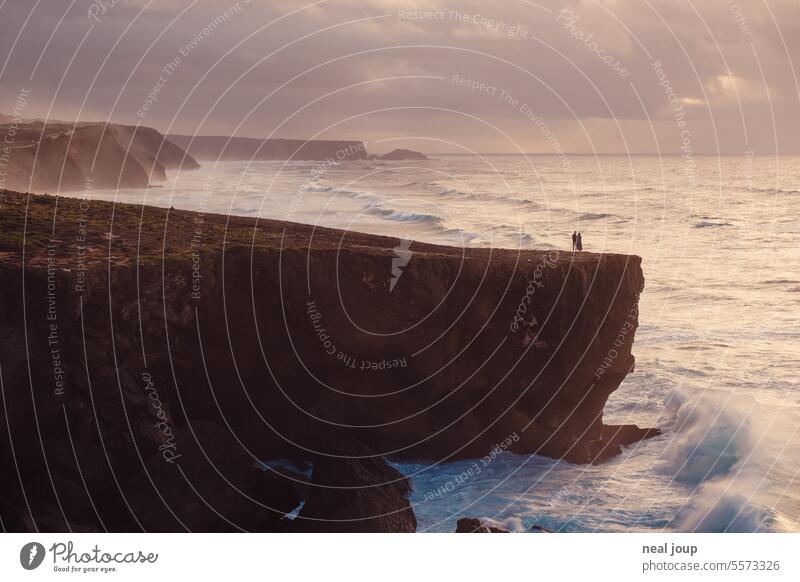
<point>579,242</point>
<point>574,240</point>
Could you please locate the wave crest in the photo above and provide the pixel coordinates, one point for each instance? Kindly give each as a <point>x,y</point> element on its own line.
<point>399,216</point>
<point>722,447</point>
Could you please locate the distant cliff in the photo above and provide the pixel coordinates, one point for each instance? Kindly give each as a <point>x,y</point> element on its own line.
<point>65,157</point>
<point>144,349</point>
<point>401,154</point>
<point>245,148</point>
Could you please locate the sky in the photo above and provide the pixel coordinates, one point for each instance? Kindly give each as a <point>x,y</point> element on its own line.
<point>564,76</point>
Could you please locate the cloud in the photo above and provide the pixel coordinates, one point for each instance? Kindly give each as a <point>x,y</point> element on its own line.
<point>358,67</point>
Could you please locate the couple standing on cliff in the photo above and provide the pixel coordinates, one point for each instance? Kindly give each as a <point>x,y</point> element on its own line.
<point>577,241</point>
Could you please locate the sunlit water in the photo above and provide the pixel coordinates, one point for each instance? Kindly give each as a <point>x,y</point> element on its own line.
<point>717,349</point>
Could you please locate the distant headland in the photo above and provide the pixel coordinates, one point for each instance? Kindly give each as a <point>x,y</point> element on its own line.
<point>42,156</point>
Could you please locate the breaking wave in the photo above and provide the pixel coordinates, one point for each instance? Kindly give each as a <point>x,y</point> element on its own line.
<point>399,216</point>
<point>601,216</point>
<point>722,447</point>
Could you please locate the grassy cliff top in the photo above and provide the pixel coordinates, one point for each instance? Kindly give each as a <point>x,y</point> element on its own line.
<point>31,224</point>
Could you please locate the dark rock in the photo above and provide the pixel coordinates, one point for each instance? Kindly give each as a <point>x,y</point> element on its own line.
<point>66,486</point>
<point>355,491</point>
<point>214,485</point>
<point>627,434</point>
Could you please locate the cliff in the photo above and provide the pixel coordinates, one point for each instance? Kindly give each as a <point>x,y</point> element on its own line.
<point>158,355</point>
<point>76,157</point>
<point>401,154</point>
<point>251,149</point>
<point>153,144</point>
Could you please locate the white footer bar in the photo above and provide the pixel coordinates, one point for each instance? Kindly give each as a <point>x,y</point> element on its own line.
<point>401,557</point>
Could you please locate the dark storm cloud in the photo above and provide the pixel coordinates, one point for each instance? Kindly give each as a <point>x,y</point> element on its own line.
<point>607,76</point>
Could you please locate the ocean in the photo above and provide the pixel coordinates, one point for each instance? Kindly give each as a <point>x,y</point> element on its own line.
<point>717,347</point>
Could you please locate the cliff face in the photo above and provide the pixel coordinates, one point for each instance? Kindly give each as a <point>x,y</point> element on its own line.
<point>56,156</point>
<point>155,146</point>
<point>286,338</point>
<point>246,149</point>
